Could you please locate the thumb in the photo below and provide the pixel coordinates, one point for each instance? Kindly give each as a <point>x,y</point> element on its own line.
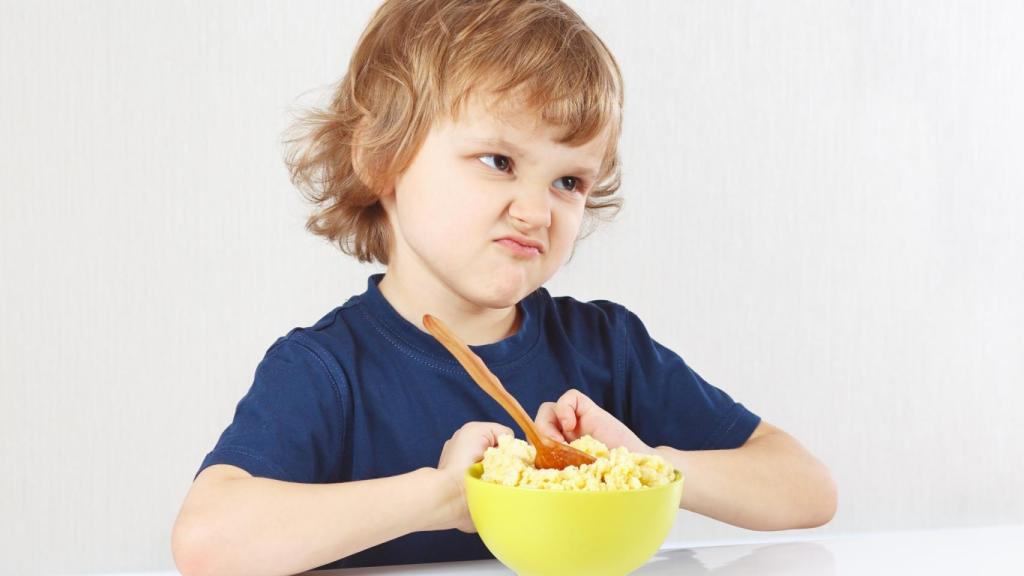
<point>486,434</point>
<point>571,408</point>
<point>496,431</point>
<point>469,443</point>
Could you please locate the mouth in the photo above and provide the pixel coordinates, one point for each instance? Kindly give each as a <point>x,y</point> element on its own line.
<point>521,246</point>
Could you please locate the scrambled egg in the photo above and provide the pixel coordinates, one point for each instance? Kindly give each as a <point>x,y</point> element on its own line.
<point>511,464</point>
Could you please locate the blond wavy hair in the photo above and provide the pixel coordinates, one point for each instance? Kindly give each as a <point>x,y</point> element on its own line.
<point>416,64</point>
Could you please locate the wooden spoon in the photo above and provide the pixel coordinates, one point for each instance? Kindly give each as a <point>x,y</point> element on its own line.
<point>550,452</point>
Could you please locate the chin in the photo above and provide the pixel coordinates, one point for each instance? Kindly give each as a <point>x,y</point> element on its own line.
<point>503,292</point>
<point>499,299</point>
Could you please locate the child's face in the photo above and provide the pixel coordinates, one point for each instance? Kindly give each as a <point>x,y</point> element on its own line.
<point>464,207</point>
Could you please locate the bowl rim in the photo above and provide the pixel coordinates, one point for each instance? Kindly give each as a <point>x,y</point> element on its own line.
<point>469,476</point>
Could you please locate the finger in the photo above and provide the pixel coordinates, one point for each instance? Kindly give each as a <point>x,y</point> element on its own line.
<point>472,440</point>
<point>547,421</point>
<point>546,415</point>
<point>575,405</point>
<point>580,402</point>
<point>499,430</point>
<point>566,414</point>
<point>488,433</point>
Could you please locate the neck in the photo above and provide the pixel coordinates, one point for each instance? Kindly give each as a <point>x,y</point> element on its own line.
<point>475,325</point>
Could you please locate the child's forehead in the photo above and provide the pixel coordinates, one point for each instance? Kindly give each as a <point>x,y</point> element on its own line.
<point>490,119</point>
<point>490,115</point>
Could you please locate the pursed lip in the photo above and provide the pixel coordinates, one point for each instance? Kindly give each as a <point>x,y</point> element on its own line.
<point>525,242</point>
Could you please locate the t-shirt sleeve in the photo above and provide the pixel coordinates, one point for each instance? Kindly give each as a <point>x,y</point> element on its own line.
<point>671,405</point>
<point>290,424</point>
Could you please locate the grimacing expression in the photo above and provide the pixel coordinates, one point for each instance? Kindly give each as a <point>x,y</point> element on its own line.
<point>491,205</point>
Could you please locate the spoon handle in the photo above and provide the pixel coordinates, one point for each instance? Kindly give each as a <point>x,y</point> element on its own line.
<point>480,374</point>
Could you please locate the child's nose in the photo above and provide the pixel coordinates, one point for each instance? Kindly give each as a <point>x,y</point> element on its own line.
<point>532,206</point>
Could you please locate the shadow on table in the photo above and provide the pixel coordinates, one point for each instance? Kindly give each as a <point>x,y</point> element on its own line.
<point>791,558</point>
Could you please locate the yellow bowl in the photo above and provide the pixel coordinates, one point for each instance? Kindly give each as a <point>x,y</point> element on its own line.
<point>548,533</point>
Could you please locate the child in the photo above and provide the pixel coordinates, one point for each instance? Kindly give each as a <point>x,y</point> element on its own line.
<point>463,149</point>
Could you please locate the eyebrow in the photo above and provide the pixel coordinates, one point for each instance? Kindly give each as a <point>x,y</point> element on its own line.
<point>502,143</point>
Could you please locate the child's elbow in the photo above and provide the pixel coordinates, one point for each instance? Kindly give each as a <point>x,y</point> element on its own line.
<point>822,508</point>
<point>191,557</point>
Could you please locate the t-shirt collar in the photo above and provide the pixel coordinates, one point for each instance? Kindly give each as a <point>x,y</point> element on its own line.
<point>419,341</point>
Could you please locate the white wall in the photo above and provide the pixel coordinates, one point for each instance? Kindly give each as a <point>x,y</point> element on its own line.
<point>821,209</point>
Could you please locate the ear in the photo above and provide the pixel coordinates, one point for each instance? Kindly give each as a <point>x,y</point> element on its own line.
<point>388,192</point>
<point>359,166</point>
<point>358,157</point>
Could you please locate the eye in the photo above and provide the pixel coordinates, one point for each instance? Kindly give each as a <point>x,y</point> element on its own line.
<point>498,162</point>
<point>572,184</point>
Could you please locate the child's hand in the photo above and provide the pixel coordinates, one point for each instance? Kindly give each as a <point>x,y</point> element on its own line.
<point>465,448</point>
<point>574,415</point>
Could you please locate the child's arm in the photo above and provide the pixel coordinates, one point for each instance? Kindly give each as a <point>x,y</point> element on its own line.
<point>769,483</point>
<point>233,523</point>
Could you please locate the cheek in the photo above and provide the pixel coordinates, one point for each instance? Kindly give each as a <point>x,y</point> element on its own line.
<point>468,206</point>
<point>445,210</point>
<point>567,225</point>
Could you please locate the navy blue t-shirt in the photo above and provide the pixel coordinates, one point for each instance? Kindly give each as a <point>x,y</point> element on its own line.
<point>365,394</point>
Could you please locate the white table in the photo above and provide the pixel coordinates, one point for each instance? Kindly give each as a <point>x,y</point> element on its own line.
<point>989,550</point>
